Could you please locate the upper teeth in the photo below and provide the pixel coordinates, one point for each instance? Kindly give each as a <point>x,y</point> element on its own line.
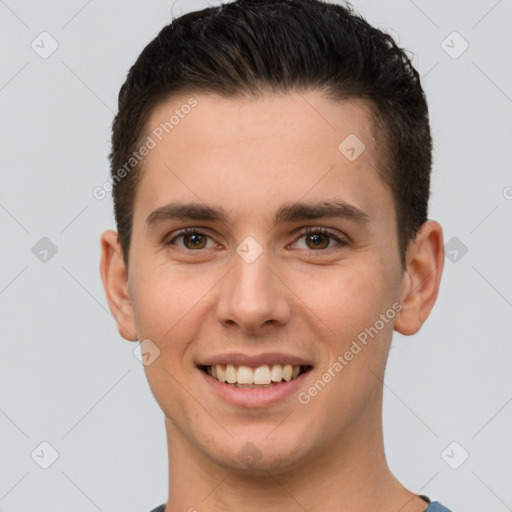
<point>246,375</point>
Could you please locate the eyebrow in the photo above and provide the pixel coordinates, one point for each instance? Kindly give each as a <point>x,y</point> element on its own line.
<point>288,212</point>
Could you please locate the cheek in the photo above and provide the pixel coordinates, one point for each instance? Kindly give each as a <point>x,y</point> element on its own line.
<point>357,344</point>
<point>166,300</point>
<point>168,308</point>
<point>347,299</point>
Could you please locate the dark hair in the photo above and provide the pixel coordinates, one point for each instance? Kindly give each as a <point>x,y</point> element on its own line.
<point>255,47</point>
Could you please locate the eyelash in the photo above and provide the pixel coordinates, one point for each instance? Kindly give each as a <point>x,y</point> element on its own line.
<point>309,231</point>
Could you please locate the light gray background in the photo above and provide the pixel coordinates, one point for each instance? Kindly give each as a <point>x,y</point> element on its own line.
<point>67,377</point>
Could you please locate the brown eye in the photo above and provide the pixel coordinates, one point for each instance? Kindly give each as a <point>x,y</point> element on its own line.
<point>194,241</point>
<point>318,239</point>
<point>191,240</point>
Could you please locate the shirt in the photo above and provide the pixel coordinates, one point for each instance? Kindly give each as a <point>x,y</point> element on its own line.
<point>434,506</point>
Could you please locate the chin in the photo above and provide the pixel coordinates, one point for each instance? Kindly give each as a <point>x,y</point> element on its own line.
<point>258,454</point>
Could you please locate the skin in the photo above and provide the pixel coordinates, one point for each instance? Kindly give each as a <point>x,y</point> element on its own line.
<point>250,157</point>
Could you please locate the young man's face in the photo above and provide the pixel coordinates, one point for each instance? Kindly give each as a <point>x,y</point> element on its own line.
<point>251,285</point>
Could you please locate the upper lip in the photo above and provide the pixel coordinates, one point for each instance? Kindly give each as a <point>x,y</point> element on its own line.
<point>239,359</point>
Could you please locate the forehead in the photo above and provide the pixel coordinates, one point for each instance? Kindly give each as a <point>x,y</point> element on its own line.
<point>280,148</point>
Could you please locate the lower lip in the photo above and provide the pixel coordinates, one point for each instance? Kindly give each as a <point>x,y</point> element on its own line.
<point>254,397</point>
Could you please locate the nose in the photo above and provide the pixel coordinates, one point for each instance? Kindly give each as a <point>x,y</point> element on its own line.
<point>253,296</point>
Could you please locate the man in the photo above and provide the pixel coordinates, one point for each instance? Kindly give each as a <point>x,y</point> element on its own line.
<point>271,166</point>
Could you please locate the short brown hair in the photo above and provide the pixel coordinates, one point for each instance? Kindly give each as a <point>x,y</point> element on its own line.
<point>252,47</point>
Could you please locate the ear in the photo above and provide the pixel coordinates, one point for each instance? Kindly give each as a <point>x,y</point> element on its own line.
<point>421,279</point>
<point>115,282</point>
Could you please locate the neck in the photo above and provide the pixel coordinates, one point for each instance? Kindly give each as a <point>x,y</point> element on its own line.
<point>349,474</point>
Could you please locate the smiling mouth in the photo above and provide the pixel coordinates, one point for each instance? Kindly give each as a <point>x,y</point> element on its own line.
<point>263,376</point>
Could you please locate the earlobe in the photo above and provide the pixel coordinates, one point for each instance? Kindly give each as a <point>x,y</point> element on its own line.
<point>115,283</point>
<point>421,279</point>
